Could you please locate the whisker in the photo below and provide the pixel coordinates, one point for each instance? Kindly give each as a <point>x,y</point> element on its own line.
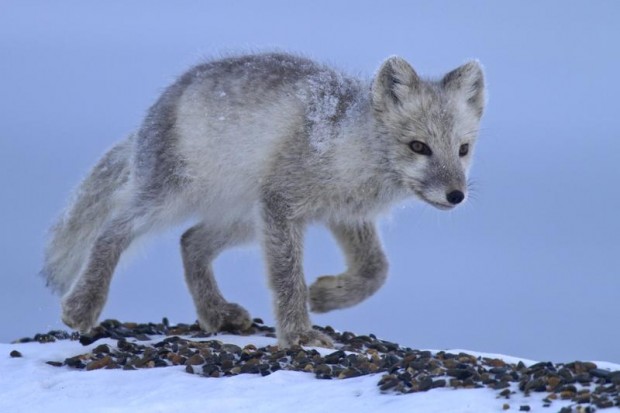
<point>472,190</point>
<point>473,132</point>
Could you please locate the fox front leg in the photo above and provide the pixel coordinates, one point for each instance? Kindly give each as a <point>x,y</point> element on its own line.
<point>366,269</point>
<point>283,246</point>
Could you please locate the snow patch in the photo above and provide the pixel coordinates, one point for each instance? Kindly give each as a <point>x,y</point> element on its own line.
<point>28,384</point>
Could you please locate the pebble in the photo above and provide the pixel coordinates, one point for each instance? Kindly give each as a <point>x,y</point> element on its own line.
<point>103,348</point>
<point>54,363</point>
<point>400,369</point>
<point>600,373</point>
<point>15,353</point>
<point>101,363</point>
<point>195,360</point>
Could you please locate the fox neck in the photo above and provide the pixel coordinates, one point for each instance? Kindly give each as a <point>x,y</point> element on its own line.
<point>361,165</point>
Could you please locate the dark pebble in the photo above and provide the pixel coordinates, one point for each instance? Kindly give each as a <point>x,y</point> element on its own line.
<point>54,363</point>
<point>569,387</point>
<point>227,364</point>
<point>604,404</point>
<point>582,398</point>
<point>391,360</point>
<point>15,353</point>
<point>195,360</point>
<point>388,383</point>
<point>499,370</point>
<point>335,357</point>
<point>456,383</point>
<point>208,369</point>
<point>566,374</point>
<point>614,377</point>
<point>600,373</point>
<point>350,372</point>
<point>524,408</point>
<point>248,368</point>
<point>124,345</point>
<point>500,385</point>
<point>505,393</point>
<point>44,338</point>
<point>419,364</point>
<point>99,364</point>
<point>583,378</point>
<point>389,346</point>
<point>439,383</point>
<point>231,348</point>
<point>460,374</point>
<point>75,362</point>
<point>537,385</point>
<point>323,370</point>
<point>86,339</point>
<point>425,384</point>
<point>102,348</point>
<point>540,366</point>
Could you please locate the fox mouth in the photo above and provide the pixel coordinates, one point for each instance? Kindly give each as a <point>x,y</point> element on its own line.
<point>439,205</point>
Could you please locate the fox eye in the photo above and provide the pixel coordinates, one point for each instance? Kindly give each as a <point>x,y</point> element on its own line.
<point>464,149</point>
<point>421,148</point>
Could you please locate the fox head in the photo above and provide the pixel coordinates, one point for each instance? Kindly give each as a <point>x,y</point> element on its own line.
<point>429,128</point>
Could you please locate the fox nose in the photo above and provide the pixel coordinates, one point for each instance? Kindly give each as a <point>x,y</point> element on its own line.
<point>455,197</point>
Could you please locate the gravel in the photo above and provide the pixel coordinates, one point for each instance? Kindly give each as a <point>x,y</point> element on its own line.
<point>399,369</point>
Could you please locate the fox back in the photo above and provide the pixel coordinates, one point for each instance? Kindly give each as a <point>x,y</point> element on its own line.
<point>334,138</point>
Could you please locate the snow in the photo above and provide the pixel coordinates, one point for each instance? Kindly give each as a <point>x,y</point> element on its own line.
<point>28,384</point>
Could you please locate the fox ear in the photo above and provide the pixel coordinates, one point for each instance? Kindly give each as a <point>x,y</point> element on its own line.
<point>393,82</point>
<point>468,80</point>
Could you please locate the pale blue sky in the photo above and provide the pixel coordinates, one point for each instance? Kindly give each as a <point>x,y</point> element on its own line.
<point>529,267</point>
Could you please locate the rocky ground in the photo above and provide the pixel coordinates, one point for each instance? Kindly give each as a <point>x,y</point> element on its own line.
<point>401,369</point>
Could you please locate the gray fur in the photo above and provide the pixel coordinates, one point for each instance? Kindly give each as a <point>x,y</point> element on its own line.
<point>93,204</point>
<point>258,146</point>
<point>200,245</point>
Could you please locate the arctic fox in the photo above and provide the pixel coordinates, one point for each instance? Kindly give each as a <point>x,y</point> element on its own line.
<point>256,147</point>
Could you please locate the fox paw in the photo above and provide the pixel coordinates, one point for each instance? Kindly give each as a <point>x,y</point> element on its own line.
<point>310,338</point>
<point>225,317</point>
<point>81,311</point>
<point>329,293</point>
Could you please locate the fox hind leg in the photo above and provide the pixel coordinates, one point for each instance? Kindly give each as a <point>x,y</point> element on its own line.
<point>366,272</point>
<point>200,245</point>
<point>83,303</point>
